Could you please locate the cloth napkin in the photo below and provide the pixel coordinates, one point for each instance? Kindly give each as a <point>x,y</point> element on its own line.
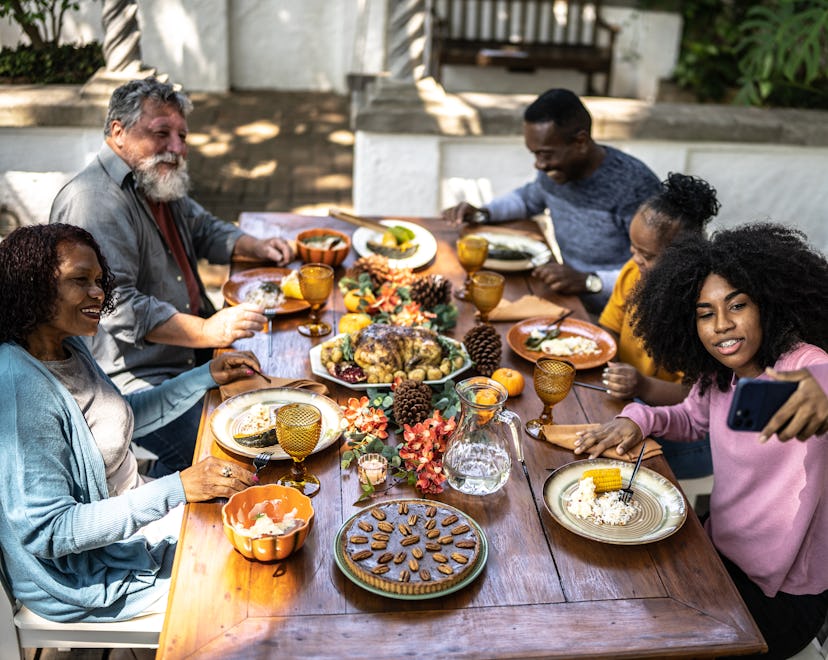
<point>524,308</point>
<point>256,382</point>
<point>563,435</point>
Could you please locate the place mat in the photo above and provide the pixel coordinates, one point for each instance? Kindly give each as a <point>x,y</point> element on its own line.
<point>526,307</point>
<point>256,382</point>
<point>564,436</point>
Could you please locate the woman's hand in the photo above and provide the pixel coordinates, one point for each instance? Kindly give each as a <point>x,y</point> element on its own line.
<point>804,414</point>
<point>621,433</point>
<point>213,478</point>
<point>622,380</point>
<point>227,367</point>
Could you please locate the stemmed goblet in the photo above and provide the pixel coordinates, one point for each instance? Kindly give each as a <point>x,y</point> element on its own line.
<point>316,284</point>
<point>486,292</point>
<point>471,253</point>
<point>552,380</point>
<point>298,426</point>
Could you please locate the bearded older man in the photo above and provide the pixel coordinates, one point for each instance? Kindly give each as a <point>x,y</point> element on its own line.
<point>133,199</point>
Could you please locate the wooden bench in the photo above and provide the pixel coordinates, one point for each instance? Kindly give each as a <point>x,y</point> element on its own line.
<point>523,35</point>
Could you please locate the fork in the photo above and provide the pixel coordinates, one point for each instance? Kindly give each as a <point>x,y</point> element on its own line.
<point>261,461</point>
<point>626,494</point>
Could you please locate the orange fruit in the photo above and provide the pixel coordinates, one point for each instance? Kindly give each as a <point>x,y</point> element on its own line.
<point>353,322</point>
<point>485,398</point>
<point>352,299</point>
<point>511,379</point>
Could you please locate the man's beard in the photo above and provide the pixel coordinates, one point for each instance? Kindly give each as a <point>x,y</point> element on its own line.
<point>163,186</point>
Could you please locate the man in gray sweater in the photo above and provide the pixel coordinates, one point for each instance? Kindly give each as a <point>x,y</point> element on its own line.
<point>591,191</point>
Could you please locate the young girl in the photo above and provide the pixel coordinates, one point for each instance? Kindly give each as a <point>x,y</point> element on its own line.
<point>751,302</point>
<point>684,205</point>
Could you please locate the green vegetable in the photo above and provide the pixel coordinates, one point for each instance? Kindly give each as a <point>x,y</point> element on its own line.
<point>534,343</point>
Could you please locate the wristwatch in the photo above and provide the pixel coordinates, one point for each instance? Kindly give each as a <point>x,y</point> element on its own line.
<point>594,283</point>
<point>480,217</point>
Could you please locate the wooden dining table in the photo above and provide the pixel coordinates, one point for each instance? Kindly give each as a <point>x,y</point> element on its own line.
<point>545,592</point>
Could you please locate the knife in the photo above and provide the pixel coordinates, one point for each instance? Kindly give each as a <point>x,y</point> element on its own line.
<point>357,220</point>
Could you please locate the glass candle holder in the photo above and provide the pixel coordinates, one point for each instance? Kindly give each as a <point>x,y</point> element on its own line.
<point>372,469</point>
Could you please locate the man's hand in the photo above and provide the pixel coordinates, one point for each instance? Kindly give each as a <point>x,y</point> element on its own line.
<point>212,477</point>
<point>462,213</point>
<point>278,250</point>
<point>227,367</point>
<point>232,323</point>
<point>804,414</point>
<point>621,433</point>
<point>562,278</point>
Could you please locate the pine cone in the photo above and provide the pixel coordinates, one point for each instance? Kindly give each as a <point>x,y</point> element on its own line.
<point>430,291</point>
<point>485,348</point>
<point>375,265</point>
<point>412,402</point>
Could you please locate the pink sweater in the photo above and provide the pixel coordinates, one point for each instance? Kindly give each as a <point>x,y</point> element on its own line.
<point>769,505</point>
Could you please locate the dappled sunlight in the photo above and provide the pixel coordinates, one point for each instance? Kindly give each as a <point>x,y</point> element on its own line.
<point>330,182</point>
<point>342,138</point>
<point>258,131</point>
<point>317,209</point>
<point>259,171</point>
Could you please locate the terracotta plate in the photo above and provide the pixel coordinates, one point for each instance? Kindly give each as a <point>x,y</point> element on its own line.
<point>661,506</point>
<point>237,286</point>
<point>519,333</point>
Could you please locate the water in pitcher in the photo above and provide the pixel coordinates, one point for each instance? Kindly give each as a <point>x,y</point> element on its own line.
<point>477,469</point>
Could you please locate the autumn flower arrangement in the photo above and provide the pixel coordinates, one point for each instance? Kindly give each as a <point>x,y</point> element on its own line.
<point>418,459</point>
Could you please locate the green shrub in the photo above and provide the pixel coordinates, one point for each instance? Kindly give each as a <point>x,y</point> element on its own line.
<point>54,64</point>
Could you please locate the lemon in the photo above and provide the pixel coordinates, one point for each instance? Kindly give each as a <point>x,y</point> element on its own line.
<point>353,321</point>
<point>290,286</point>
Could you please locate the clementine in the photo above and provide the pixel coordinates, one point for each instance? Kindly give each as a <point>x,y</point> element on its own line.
<point>511,379</point>
<point>352,299</point>
<point>353,322</point>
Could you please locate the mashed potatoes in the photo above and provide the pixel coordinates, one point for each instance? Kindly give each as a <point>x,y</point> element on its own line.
<point>605,509</point>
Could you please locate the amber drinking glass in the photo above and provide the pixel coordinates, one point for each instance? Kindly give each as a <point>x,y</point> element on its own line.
<point>553,380</point>
<point>471,253</point>
<point>486,292</point>
<point>316,284</point>
<point>298,426</point>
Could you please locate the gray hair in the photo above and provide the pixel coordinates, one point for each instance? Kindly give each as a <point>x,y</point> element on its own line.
<point>127,101</point>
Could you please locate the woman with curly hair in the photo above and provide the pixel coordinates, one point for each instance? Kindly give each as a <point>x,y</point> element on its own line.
<point>684,205</point>
<point>750,303</point>
<point>77,521</point>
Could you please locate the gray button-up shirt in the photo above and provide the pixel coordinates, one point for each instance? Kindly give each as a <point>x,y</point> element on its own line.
<point>149,285</point>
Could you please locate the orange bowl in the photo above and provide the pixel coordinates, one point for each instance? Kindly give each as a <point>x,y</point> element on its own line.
<point>275,501</point>
<point>320,255</point>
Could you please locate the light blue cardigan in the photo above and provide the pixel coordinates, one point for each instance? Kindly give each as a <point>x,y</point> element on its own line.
<point>65,542</point>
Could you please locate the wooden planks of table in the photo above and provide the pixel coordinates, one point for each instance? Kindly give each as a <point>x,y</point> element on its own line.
<point>544,592</point>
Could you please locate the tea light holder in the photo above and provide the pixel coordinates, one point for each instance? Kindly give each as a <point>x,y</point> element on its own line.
<point>372,469</point>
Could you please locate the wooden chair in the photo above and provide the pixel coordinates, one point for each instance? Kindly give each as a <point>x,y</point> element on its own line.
<point>20,628</point>
<point>523,35</point>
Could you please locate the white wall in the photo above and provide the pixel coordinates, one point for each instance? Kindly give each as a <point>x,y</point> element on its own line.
<point>754,181</point>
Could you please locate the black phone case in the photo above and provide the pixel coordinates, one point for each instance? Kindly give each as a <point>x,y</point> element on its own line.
<point>755,402</point>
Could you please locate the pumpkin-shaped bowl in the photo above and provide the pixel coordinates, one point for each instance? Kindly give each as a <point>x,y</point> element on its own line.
<point>248,514</point>
<point>321,246</point>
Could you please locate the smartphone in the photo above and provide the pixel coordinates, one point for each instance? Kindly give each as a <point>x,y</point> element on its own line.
<point>756,401</point>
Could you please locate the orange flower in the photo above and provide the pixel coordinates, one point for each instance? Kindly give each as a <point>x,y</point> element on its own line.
<point>364,419</point>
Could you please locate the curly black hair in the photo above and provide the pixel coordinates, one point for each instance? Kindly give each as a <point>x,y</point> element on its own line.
<point>685,201</point>
<point>773,264</point>
<point>29,269</point>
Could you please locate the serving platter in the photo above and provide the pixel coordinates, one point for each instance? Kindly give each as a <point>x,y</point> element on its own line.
<point>520,332</point>
<point>223,418</point>
<point>353,577</point>
<point>662,509</point>
<point>539,251</point>
<point>319,369</point>
<point>426,244</point>
<point>239,284</point>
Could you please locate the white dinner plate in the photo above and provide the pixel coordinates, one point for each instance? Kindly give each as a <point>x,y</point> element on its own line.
<point>538,249</point>
<point>426,244</point>
<point>223,417</point>
<point>662,509</point>
<point>319,369</point>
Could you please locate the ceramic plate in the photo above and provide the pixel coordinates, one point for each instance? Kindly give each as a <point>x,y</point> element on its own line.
<point>519,333</point>
<point>539,251</point>
<point>662,510</point>
<point>319,369</point>
<point>235,289</point>
<point>427,244</point>
<point>225,415</point>
<point>478,567</point>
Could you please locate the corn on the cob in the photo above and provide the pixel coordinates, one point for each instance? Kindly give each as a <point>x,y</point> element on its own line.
<point>605,479</point>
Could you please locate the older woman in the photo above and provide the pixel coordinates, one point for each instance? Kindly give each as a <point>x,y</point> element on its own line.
<point>72,504</point>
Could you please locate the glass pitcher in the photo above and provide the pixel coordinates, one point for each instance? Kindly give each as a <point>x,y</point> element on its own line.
<point>476,460</point>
